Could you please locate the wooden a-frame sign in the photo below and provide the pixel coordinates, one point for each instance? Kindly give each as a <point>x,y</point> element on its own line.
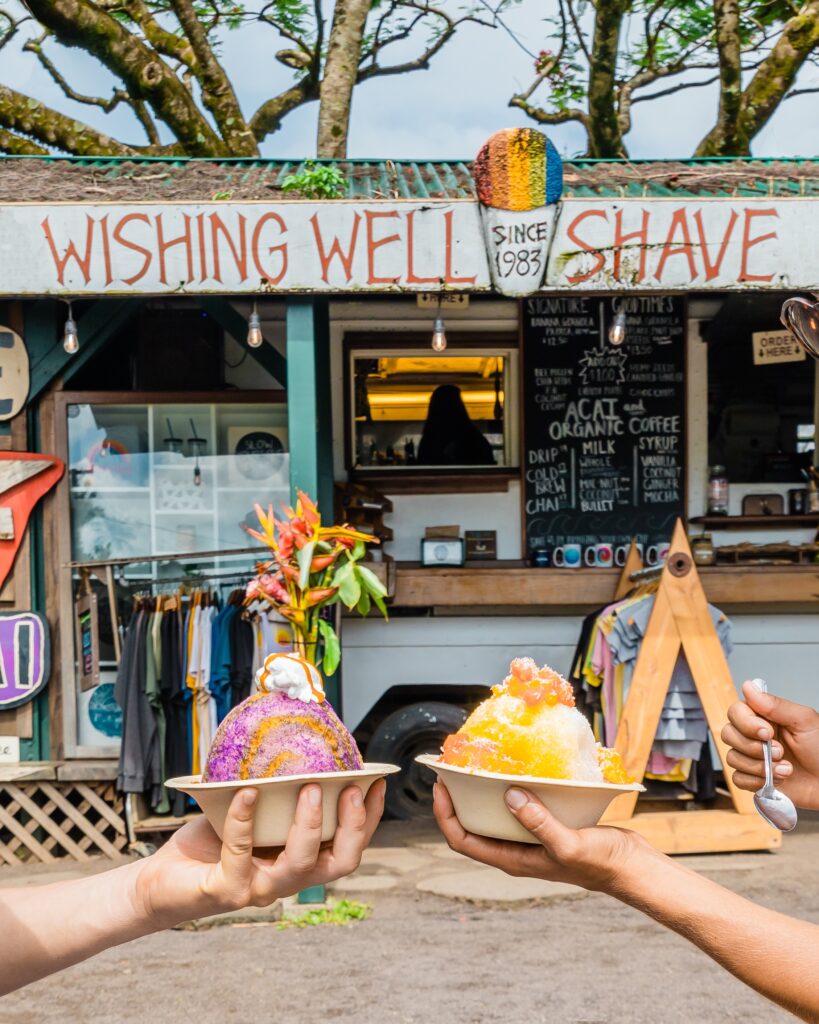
<point>681,621</point>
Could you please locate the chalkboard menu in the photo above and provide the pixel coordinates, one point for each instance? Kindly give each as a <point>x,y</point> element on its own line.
<point>603,425</point>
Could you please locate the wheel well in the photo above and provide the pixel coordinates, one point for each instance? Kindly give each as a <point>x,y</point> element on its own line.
<point>398,696</point>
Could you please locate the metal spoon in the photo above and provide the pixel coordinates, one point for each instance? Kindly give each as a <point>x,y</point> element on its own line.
<point>776,808</point>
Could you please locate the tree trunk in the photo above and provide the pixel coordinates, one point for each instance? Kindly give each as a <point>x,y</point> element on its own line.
<point>340,73</point>
<point>770,84</point>
<point>605,139</point>
<point>723,140</point>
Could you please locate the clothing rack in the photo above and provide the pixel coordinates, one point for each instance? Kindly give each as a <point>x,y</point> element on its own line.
<point>183,556</point>
<point>103,569</point>
<point>192,580</point>
<point>681,622</point>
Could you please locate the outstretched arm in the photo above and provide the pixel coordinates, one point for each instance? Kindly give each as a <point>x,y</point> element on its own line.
<point>774,954</point>
<point>46,928</point>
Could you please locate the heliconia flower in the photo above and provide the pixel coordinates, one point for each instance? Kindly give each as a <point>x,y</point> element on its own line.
<point>290,571</point>
<point>298,524</point>
<point>274,588</point>
<point>322,561</point>
<point>294,614</point>
<point>318,594</point>
<point>308,509</point>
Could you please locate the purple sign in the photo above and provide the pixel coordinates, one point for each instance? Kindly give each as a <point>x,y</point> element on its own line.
<point>24,657</point>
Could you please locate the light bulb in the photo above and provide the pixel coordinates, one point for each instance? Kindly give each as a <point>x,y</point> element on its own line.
<point>438,335</point>
<point>617,331</point>
<point>254,330</point>
<point>71,337</point>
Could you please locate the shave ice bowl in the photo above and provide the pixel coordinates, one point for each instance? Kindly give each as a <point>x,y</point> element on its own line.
<point>276,806</point>
<point>478,799</point>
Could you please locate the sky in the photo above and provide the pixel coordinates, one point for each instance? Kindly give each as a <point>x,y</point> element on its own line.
<point>446,112</point>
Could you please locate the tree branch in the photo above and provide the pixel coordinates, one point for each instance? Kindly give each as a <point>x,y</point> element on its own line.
<point>550,117</point>
<point>15,144</point>
<point>674,88</point>
<point>217,91</point>
<point>421,62</point>
<point>35,46</point>
<point>79,23</point>
<point>26,116</point>
<point>169,44</point>
<point>801,92</point>
<point>268,118</point>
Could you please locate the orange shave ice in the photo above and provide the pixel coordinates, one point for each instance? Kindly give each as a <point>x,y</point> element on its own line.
<point>530,726</point>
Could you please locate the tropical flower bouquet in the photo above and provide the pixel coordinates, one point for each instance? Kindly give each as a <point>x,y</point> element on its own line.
<point>312,568</point>
<point>286,733</point>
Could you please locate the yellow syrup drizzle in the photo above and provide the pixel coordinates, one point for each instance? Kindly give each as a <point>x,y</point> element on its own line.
<point>269,723</point>
<point>305,667</point>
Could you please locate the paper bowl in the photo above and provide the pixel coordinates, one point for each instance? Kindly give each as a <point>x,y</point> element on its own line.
<point>478,798</point>
<point>276,807</point>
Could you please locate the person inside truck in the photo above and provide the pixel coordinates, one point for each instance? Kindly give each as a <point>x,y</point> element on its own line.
<point>776,955</point>
<point>450,438</point>
<point>44,928</point>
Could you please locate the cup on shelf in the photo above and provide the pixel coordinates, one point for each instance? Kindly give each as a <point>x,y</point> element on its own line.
<point>621,554</point>
<point>568,556</point>
<point>599,555</point>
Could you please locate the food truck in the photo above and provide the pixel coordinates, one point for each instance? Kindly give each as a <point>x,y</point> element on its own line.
<point>613,335</point>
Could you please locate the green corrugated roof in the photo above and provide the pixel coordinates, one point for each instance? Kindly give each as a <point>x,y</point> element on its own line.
<point>156,178</point>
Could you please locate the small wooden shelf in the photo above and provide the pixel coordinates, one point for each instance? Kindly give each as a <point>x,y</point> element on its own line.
<point>755,522</point>
<point>410,480</point>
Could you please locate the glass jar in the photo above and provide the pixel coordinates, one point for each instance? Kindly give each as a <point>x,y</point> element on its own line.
<point>702,549</point>
<point>717,491</point>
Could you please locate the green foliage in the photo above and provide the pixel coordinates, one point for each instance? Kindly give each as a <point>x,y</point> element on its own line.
<point>342,912</point>
<point>331,655</point>
<point>316,181</point>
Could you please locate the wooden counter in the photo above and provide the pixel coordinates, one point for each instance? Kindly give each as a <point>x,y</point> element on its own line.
<point>511,585</point>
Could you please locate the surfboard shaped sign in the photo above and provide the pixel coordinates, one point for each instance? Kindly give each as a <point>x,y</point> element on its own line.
<point>25,657</point>
<point>14,373</point>
<point>519,180</point>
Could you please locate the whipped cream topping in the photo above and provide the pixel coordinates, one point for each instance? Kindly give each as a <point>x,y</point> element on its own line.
<point>291,675</point>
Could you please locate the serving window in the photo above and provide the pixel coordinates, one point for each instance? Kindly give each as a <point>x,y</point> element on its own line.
<point>416,410</point>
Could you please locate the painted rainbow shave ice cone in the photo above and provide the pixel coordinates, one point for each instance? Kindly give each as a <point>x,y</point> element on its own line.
<point>287,728</point>
<point>519,179</point>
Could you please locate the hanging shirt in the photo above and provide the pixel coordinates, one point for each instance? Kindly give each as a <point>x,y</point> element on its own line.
<point>220,660</point>
<point>139,763</point>
<point>159,796</point>
<point>682,729</point>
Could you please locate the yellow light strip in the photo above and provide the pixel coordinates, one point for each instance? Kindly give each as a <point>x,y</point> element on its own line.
<point>422,398</point>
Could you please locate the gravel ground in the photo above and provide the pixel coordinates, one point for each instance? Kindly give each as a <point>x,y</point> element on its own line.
<point>422,958</point>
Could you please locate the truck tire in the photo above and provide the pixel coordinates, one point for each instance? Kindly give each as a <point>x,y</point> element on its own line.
<point>399,739</point>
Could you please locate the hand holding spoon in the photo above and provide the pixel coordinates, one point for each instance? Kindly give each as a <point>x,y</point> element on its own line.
<point>776,808</point>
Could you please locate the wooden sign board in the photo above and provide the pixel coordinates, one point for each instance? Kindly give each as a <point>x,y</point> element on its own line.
<point>776,347</point>
<point>25,654</point>
<point>86,631</point>
<point>14,373</point>
<point>447,300</point>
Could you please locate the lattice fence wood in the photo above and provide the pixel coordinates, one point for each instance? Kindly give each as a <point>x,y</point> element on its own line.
<point>46,821</point>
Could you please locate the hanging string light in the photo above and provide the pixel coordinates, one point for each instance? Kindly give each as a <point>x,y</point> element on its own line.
<point>617,331</point>
<point>439,331</point>
<point>254,330</point>
<point>71,337</point>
